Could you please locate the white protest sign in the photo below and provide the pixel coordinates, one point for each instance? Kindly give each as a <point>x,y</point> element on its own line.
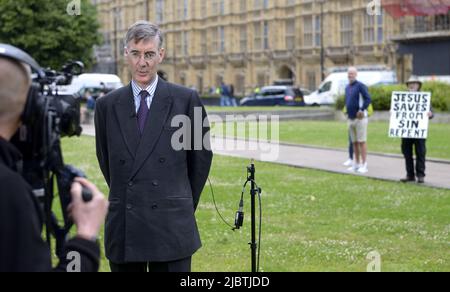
<point>409,115</point>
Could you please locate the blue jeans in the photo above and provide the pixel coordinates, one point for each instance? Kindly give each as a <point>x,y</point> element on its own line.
<point>225,101</point>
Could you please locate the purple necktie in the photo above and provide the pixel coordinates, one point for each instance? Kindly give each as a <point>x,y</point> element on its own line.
<point>143,111</point>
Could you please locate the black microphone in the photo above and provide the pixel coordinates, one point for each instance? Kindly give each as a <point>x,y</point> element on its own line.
<point>239,219</point>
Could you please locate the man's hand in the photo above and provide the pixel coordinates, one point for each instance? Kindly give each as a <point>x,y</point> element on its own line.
<point>360,115</point>
<point>430,115</point>
<point>88,217</point>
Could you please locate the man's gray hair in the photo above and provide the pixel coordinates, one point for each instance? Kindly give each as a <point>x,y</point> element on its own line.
<point>144,31</point>
<point>353,69</point>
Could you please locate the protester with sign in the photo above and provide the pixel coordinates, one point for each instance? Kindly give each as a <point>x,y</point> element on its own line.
<point>415,85</point>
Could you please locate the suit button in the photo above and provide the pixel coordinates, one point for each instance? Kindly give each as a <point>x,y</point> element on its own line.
<point>129,207</point>
<point>155,183</point>
<point>122,162</point>
<point>162,160</point>
<point>154,207</point>
<point>130,184</point>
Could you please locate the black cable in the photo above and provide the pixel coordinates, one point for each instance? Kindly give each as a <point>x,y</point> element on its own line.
<point>259,191</point>
<point>215,205</point>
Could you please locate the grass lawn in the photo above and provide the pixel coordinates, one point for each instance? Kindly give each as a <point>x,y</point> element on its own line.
<point>313,221</point>
<point>333,134</point>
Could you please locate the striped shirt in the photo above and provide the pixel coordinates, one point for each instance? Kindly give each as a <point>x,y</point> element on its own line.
<point>137,93</point>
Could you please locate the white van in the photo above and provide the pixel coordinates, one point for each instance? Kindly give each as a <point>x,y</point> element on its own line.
<point>92,82</point>
<point>334,85</point>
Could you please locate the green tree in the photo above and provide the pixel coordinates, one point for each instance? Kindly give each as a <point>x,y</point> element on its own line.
<point>45,30</point>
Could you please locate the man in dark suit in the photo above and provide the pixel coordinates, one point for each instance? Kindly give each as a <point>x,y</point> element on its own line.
<point>154,186</point>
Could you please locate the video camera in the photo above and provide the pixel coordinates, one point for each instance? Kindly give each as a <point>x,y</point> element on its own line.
<point>47,118</point>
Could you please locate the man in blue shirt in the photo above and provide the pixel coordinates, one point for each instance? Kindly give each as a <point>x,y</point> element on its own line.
<point>357,101</point>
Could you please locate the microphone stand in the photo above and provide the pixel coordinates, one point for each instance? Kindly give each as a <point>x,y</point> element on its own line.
<point>253,194</point>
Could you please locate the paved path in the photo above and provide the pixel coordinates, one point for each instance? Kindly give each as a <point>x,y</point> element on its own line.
<point>385,167</point>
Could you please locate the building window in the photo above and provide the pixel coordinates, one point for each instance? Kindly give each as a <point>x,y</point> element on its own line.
<point>257,4</point>
<point>159,11</point>
<point>290,34</point>
<point>218,7</point>
<point>291,2</point>
<point>193,7</point>
<point>346,3</point>
<point>243,6</point>
<point>318,31</point>
<point>380,31</point>
<point>243,38</point>
<point>204,8</point>
<point>373,29</point>
<point>204,42</point>
<point>266,35</point>
<point>183,10</point>
<point>178,43</point>
<point>307,31</point>
<point>215,40</point>
<point>369,29</point>
<point>307,7</point>
<point>222,7</point>
<point>215,7</point>
<point>346,30</point>
<point>186,43</point>
<point>222,39</point>
<point>257,34</point>
<point>312,31</point>
<point>261,4</point>
<point>442,22</point>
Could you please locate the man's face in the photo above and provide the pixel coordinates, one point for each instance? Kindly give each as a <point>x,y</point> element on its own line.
<point>143,59</point>
<point>413,86</point>
<point>352,74</point>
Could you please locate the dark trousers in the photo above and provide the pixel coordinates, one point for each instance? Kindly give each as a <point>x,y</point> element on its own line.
<point>420,146</point>
<point>180,266</point>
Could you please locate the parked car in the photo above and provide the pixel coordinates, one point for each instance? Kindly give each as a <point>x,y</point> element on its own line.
<point>335,84</point>
<point>275,96</point>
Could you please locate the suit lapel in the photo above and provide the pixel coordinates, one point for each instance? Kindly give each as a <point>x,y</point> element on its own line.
<point>159,112</point>
<point>126,115</point>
